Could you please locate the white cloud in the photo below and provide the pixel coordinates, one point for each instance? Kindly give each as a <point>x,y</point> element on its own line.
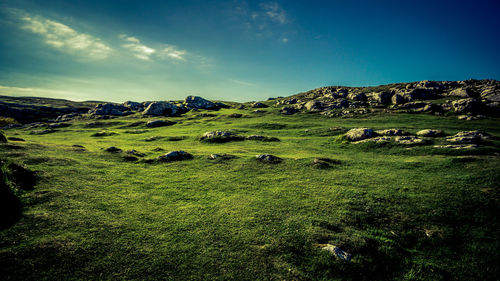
<point>274,12</point>
<point>65,38</point>
<point>144,52</point>
<point>42,92</point>
<point>269,20</point>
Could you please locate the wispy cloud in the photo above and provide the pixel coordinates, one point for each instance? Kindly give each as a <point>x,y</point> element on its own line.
<point>143,52</point>
<point>274,12</point>
<point>241,82</point>
<point>43,92</point>
<point>63,37</point>
<point>267,20</point>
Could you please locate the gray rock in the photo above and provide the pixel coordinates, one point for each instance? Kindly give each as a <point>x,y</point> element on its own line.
<point>268,158</point>
<point>356,97</point>
<point>258,105</point>
<point>177,155</point>
<point>382,97</point>
<point>358,134</point>
<point>408,140</point>
<point>468,137</point>
<point>162,108</point>
<point>221,136</point>
<point>391,132</point>
<point>109,109</point>
<point>374,140</point>
<point>336,251</point>
<point>469,105</point>
<point>159,123</point>
<point>458,146</point>
<point>221,157</point>
<point>429,133</point>
<point>398,99</point>
<point>113,149</point>
<point>314,105</point>
<point>199,103</point>
<point>135,106</point>
<point>288,110</point>
<point>261,138</point>
<point>461,92</point>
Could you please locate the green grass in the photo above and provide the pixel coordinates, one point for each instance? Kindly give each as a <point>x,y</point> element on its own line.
<point>94,216</point>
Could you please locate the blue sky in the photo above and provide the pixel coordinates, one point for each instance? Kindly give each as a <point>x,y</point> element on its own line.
<point>239,50</point>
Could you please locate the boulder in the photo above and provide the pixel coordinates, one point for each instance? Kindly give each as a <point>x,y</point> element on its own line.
<point>199,103</point>
<point>429,133</point>
<point>398,99</point>
<point>336,251</point>
<point>113,149</point>
<point>468,137</point>
<point>314,105</point>
<point>135,106</point>
<point>324,163</point>
<point>469,105</point>
<point>375,140</point>
<point>391,132</point>
<point>221,157</point>
<point>258,105</point>
<point>162,108</point>
<point>109,109</point>
<point>382,97</point>
<point>408,140</point>
<point>268,158</point>
<point>177,155</point>
<point>288,110</point>
<point>461,92</point>
<point>491,94</point>
<point>159,123</point>
<point>356,97</point>
<point>220,136</point>
<point>358,134</point>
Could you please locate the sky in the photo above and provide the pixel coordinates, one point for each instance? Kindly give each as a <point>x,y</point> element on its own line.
<point>237,50</point>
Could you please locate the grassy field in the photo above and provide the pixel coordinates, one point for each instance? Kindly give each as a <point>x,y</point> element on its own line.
<point>404,213</point>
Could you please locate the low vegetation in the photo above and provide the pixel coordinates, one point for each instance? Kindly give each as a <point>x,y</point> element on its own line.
<point>402,212</point>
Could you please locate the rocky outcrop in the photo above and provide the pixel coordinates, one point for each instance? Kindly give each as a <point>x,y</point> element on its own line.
<point>468,137</point>
<point>221,136</point>
<point>429,133</point>
<point>162,108</point>
<point>199,103</point>
<point>109,109</point>
<point>469,105</point>
<point>268,158</point>
<point>358,134</point>
<point>177,155</point>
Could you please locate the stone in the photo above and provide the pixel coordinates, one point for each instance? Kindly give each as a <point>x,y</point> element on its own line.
<point>429,133</point>
<point>113,149</point>
<point>177,155</point>
<point>324,163</point>
<point>391,132</point>
<point>162,108</point>
<point>468,137</point>
<point>159,123</point>
<point>199,103</point>
<point>11,138</point>
<point>461,92</point>
<point>109,109</point>
<point>221,157</point>
<point>268,158</point>
<point>382,97</point>
<point>358,134</point>
<point>258,105</point>
<point>135,106</point>
<point>408,140</point>
<point>314,105</point>
<point>398,99</point>
<point>221,136</point>
<point>336,251</point>
<point>469,105</point>
<point>356,97</point>
<point>458,146</point>
<point>375,140</point>
<point>288,110</point>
